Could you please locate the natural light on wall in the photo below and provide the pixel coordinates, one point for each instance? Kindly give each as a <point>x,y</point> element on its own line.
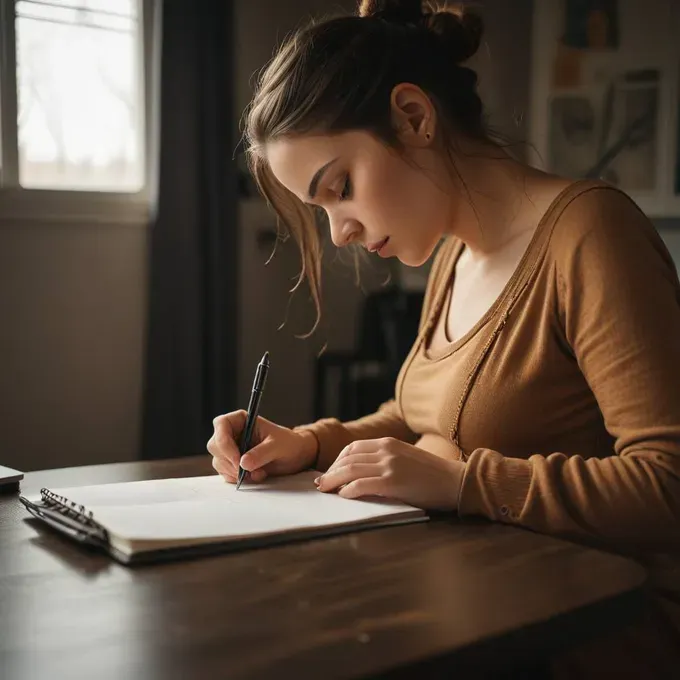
<point>80,96</point>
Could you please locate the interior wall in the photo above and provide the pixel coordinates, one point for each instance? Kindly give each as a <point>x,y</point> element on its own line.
<point>72,315</point>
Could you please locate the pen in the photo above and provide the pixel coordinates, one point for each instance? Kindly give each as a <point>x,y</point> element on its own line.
<point>253,408</point>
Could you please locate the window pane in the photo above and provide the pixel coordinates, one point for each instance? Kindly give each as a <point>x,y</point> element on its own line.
<point>79,95</point>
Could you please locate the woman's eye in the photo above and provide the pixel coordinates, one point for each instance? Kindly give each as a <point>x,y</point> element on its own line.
<point>346,189</point>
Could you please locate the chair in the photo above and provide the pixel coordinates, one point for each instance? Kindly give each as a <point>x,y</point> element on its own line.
<point>365,377</point>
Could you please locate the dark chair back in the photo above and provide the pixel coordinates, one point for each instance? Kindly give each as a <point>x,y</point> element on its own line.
<point>389,325</point>
<point>366,376</point>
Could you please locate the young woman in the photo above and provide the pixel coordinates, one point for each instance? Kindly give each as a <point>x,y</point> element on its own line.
<point>543,389</point>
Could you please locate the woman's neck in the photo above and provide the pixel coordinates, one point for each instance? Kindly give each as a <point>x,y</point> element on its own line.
<point>498,198</point>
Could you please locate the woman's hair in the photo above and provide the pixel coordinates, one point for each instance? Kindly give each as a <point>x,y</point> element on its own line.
<point>337,75</point>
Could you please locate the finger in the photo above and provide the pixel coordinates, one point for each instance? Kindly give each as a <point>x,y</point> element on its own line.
<point>359,446</point>
<point>260,455</point>
<point>225,464</point>
<point>227,429</point>
<point>345,474</point>
<point>222,466</point>
<point>225,448</point>
<point>224,469</point>
<point>368,486</point>
<point>234,421</point>
<point>373,457</point>
<point>213,446</point>
<point>258,475</point>
<point>362,446</point>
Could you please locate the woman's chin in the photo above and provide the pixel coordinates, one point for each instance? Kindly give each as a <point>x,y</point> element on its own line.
<point>413,259</point>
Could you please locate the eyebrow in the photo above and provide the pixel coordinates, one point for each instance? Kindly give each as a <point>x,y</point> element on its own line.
<point>318,175</point>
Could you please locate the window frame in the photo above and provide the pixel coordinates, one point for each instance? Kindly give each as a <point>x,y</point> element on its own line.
<point>19,203</point>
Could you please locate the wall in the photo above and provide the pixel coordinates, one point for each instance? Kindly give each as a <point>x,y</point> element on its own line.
<point>669,229</point>
<point>71,306</point>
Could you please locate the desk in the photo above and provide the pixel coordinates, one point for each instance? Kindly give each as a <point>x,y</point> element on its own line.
<point>399,602</point>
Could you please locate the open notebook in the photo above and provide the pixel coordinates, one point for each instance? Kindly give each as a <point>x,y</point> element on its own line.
<point>164,518</point>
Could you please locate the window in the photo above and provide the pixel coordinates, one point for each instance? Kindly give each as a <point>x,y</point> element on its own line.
<point>73,108</point>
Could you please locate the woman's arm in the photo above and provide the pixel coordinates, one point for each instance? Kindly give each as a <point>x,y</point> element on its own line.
<point>332,435</point>
<point>619,310</point>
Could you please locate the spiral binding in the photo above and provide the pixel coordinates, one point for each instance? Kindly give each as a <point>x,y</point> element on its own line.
<point>73,510</point>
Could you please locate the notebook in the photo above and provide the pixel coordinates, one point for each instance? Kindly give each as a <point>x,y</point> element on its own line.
<point>9,479</point>
<point>169,518</point>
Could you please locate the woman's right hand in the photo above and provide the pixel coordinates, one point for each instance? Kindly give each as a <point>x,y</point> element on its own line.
<point>274,449</point>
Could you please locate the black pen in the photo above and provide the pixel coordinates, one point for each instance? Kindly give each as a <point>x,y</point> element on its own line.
<point>253,408</point>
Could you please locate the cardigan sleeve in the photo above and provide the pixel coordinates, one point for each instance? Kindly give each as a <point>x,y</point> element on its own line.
<point>618,300</point>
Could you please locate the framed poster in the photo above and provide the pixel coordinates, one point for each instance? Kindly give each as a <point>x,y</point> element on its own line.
<point>605,95</point>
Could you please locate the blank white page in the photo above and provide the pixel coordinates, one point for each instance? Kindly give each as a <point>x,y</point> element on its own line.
<point>205,508</point>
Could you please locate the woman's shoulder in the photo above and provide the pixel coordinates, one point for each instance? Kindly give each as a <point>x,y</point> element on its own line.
<point>596,218</point>
<point>586,205</point>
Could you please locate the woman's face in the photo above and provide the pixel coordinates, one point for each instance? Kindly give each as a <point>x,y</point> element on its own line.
<point>371,194</point>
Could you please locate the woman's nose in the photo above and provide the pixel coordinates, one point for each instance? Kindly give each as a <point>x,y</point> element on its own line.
<point>344,232</point>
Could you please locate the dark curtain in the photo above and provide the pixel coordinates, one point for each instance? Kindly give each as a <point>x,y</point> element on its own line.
<point>190,360</point>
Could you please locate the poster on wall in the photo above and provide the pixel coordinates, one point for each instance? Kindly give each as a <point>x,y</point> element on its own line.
<point>591,24</point>
<point>605,72</point>
<point>609,132</point>
<point>602,122</point>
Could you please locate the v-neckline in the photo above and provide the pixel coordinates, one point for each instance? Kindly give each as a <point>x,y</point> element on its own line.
<point>449,278</point>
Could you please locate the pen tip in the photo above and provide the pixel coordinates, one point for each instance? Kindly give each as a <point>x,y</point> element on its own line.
<point>265,358</point>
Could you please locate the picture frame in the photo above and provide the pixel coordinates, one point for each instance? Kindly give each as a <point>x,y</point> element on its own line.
<point>605,96</point>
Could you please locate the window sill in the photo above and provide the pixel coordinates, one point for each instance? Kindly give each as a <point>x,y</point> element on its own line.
<point>72,207</point>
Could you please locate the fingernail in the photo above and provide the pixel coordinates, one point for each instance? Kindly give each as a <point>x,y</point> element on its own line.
<point>317,481</point>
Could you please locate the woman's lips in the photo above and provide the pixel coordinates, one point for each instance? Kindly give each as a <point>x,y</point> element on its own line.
<point>382,251</point>
<point>378,245</point>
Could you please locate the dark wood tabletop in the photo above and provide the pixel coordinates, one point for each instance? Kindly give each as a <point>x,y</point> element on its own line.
<point>405,601</point>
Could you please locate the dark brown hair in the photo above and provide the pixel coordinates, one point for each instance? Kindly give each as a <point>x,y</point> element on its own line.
<point>337,75</point>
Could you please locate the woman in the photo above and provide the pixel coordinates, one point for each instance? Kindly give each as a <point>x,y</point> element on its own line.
<point>543,389</point>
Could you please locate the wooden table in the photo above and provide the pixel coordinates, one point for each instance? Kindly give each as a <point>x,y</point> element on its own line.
<point>399,602</point>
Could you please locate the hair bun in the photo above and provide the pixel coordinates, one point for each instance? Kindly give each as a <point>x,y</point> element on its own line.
<point>397,11</point>
<point>460,31</point>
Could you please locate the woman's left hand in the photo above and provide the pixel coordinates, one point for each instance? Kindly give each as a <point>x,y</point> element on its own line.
<point>391,468</point>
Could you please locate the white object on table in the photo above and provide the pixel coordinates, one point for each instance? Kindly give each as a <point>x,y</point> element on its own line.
<point>9,476</point>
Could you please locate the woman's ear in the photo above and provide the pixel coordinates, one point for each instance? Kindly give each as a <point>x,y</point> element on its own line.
<point>413,115</point>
